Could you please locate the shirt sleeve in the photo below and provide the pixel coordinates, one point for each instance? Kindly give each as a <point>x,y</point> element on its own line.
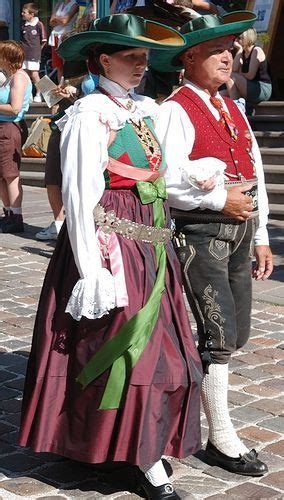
<point>42,32</point>
<point>176,134</point>
<point>84,157</point>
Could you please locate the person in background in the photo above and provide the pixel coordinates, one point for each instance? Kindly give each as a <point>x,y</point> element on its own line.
<point>63,19</point>
<point>74,74</point>
<point>33,39</point>
<point>15,94</point>
<point>250,78</point>
<point>112,345</point>
<point>218,230</point>
<point>88,14</point>
<point>5,19</point>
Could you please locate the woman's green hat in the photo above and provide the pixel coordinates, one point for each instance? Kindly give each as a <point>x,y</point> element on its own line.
<point>121,29</point>
<point>202,29</point>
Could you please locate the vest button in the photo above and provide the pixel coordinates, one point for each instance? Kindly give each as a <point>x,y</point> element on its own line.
<point>236,162</point>
<point>232,150</point>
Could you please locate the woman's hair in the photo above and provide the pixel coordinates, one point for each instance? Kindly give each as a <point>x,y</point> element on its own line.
<point>32,8</point>
<point>249,37</point>
<point>13,54</point>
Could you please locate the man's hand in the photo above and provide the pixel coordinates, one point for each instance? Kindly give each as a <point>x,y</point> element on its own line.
<point>264,262</point>
<point>238,205</point>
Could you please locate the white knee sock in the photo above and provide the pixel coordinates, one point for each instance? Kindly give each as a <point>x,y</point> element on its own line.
<point>155,473</point>
<point>214,396</point>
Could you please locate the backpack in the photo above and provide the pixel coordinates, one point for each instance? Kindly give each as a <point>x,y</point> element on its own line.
<point>37,141</point>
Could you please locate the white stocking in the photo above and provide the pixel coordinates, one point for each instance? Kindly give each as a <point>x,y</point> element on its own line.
<point>155,473</point>
<point>215,403</point>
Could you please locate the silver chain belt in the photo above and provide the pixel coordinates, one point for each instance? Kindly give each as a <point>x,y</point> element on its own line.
<point>110,223</point>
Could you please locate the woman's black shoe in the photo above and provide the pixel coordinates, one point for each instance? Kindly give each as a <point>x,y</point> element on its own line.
<point>163,492</point>
<point>247,464</point>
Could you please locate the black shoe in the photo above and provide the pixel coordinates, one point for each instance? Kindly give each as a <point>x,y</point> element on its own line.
<point>247,464</point>
<point>163,492</point>
<point>14,224</point>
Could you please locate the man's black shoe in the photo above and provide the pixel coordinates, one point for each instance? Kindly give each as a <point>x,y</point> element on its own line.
<point>147,490</point>
<point>247,464</point>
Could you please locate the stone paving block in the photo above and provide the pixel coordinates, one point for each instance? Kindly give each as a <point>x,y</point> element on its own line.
<point>10,437</point>
<point>251,490</point>
<point>274,384</point>
<point>25,487</point>
<point>15,345</point>
<point>17,463</point>
<point>64,473</point>
<point>16,384</point>
<point>238,380</point>
<point>274,424</point>
<point>194,462</point>
<point>23,322</point>
<point>248,414</point>
<point>261,390</point>
<point>5,375</point>
<point>252,373</point>
<point>271,353</point>
<point>267,315</point>
<point>253,359</point>
<point>239,398</point>
<point>273,406</point>
<point>275,369</point>
<point>226,476</point>
<point>276,479</point>
<point>258,434</point>
<point>202,484</point>
<point>276,448</point>
<point>265,341</point>
<point>5,427</point>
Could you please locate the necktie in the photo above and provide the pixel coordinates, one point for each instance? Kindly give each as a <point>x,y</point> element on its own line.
<point>226,119</point>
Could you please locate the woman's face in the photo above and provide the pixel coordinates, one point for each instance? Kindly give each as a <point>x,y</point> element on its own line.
<point>125,67</point>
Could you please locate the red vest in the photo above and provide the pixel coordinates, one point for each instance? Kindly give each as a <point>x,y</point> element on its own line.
<point>213,139</point>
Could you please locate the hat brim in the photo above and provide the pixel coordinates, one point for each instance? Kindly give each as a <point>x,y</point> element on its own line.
<point>234,24</point>
<point>157,36</point>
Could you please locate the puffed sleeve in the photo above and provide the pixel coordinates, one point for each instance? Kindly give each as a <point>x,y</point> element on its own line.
<point>84,157</point>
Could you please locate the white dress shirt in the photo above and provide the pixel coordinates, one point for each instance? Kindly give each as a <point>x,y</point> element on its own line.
<point>85,135</point>
<point>176,133</point>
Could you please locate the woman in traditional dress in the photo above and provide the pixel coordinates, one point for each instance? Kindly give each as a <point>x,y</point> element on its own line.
<point>114,374</point>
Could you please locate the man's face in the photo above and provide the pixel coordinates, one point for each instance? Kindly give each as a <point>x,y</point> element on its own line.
<point>210,63</point>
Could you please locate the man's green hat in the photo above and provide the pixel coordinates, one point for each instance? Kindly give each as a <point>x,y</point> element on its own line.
<point>121,29</point>
<point>203,29</point>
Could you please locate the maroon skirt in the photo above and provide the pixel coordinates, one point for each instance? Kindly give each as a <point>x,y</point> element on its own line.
<point>161,414</point>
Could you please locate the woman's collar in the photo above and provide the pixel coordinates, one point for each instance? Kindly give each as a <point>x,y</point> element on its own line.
<point>114,88</point>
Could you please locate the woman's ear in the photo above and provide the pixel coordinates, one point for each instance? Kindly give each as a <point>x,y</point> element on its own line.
<point>104,60</point>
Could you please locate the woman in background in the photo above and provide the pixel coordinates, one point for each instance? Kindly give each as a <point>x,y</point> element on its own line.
<point>15,94</point>
<point>250,78</point>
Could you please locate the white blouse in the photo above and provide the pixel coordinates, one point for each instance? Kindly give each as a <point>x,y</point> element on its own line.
<point>85,135</point>
<point>176,133</point>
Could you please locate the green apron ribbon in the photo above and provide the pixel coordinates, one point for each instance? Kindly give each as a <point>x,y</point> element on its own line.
<point>123,351</point>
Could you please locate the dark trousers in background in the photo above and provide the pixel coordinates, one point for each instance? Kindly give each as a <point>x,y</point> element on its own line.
<point>216,264</point>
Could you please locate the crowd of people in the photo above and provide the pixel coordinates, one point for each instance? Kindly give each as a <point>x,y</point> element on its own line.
<point>146,198</point>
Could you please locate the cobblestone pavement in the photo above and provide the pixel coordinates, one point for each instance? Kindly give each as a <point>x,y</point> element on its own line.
<point>256,388</point>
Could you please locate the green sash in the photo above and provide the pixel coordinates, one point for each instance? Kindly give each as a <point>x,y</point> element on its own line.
<point>123,351</point>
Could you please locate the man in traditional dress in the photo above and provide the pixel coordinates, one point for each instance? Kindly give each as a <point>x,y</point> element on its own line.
<point>216,186</point>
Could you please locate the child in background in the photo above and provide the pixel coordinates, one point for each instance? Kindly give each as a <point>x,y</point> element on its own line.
<point>33,38</point>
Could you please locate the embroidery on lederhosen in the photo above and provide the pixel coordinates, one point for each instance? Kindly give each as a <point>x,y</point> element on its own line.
<point>213,311</point>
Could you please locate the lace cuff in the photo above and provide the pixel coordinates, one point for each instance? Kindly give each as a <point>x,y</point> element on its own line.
<point>92,297</point>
